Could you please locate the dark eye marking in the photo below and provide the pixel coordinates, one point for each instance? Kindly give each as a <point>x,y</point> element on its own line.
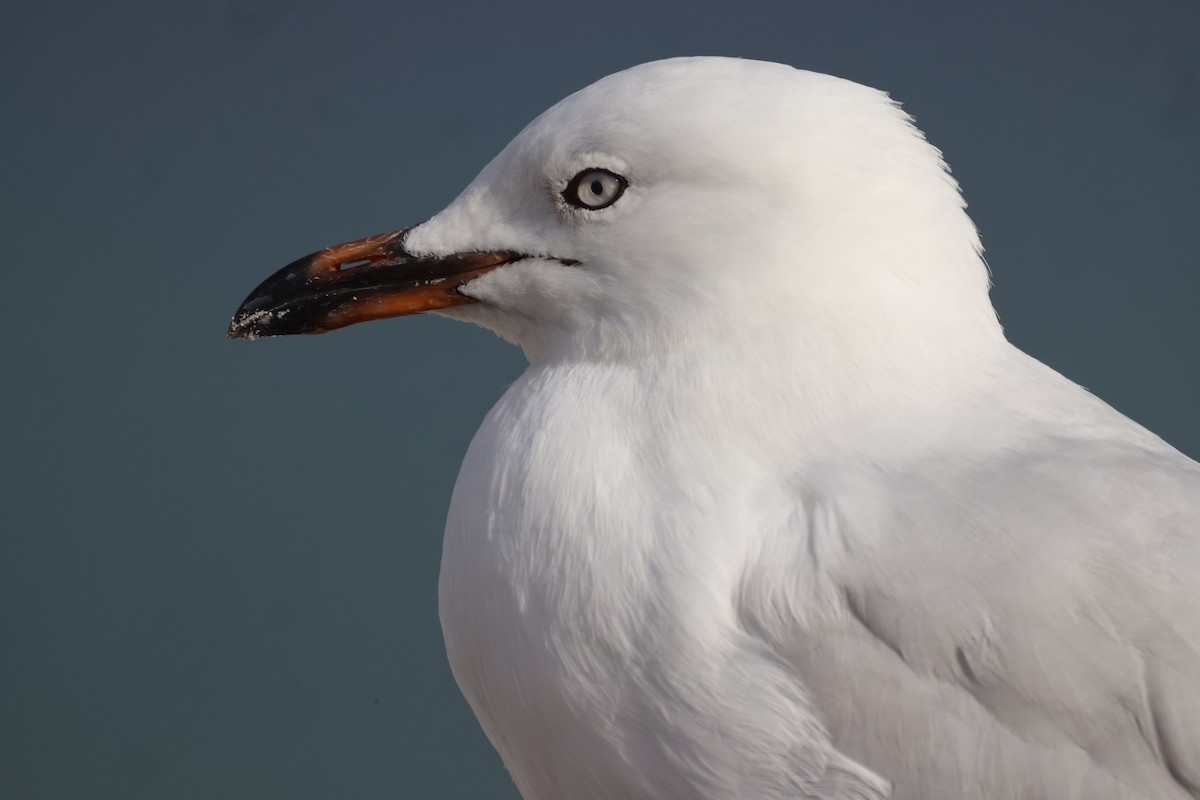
<point>594,188</point>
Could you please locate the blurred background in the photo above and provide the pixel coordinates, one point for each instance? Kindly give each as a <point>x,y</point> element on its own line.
<point>218,560</point>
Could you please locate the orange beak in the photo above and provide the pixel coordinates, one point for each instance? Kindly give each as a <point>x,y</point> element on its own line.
<point>371,278</point>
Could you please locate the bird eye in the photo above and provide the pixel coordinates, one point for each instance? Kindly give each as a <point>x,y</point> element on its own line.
<point>595,189</point>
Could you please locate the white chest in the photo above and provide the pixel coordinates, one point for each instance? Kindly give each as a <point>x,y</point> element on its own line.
<point>574,561</point>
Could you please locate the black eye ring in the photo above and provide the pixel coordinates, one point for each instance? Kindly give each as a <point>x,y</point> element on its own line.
<point>594,188</point>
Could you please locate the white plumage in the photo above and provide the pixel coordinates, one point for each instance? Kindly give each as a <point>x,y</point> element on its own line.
<point>776,511</point>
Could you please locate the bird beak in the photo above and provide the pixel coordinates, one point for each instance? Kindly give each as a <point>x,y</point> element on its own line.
<point>371,278</point>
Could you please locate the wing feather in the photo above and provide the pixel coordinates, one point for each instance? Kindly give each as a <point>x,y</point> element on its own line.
<point>1026,626</point>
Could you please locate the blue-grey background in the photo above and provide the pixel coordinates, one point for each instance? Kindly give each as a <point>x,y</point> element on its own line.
<point>218,560</point>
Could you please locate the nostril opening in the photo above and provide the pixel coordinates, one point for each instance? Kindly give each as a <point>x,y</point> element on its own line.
<point>362,262</point>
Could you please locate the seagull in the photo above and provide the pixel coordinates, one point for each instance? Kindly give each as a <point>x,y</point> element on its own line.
<point>776,511</point>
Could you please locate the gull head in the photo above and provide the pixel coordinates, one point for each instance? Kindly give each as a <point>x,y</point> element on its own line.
<point>693,200</point>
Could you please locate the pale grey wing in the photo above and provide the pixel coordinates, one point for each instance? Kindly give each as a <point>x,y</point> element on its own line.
<point>1027,628</point>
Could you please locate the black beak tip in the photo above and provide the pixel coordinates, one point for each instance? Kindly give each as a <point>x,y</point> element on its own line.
<point>266,311</point>
<point>255,317</point>
<point>248,325</point>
